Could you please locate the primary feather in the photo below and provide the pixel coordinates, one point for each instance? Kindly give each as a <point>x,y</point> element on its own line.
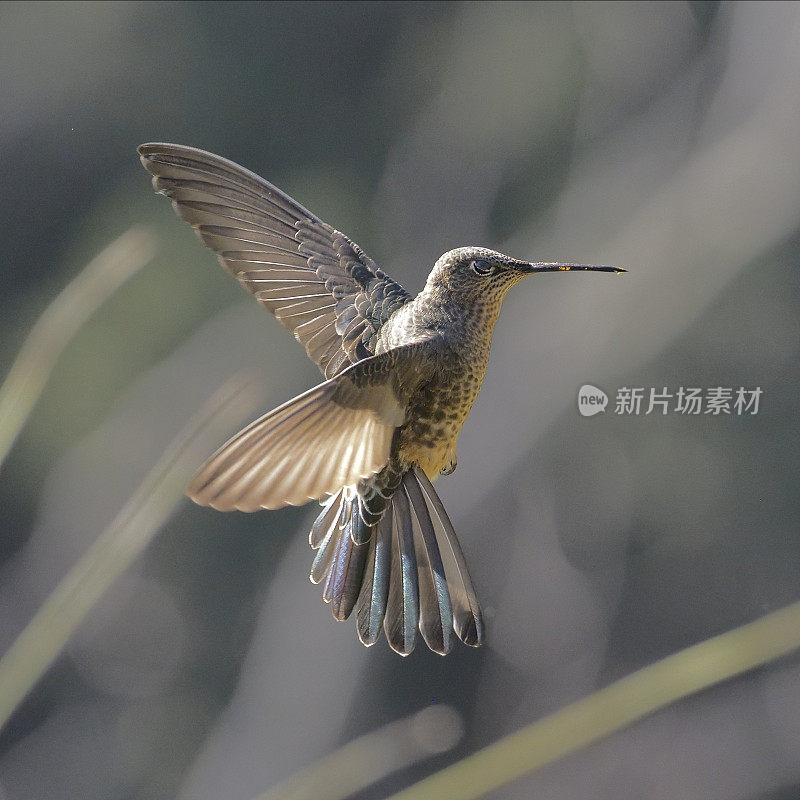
<point>318,283</point>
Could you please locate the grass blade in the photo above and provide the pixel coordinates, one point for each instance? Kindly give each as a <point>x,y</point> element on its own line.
<point>61,320</point>
<point>614,707</point>
<point>120,543</point>
<point>372,757</point>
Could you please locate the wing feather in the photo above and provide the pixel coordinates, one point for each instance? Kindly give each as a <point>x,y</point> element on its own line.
<point>259,232</point>
<point>330,436</point>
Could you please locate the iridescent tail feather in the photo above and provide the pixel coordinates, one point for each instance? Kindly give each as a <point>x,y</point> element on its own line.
<point>402,569</point>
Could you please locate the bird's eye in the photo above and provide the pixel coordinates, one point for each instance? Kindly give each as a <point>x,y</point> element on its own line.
<point>480,267</point>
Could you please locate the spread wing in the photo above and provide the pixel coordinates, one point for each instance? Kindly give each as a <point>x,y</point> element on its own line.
<point>330,436</point>
<point>317,282</point>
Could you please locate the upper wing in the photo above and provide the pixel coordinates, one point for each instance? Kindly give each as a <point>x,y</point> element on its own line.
<point>318,283</point>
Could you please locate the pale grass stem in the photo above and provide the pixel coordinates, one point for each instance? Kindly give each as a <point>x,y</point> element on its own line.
<point>614,707</point>
<point>61,320</point>
<point>373,756</point>
<point>120,543</point>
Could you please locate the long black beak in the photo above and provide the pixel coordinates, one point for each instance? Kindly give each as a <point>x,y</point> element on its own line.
<point>557,267</point>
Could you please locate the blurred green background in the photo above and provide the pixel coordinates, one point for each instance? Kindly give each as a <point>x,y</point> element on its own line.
<point>662,137</point>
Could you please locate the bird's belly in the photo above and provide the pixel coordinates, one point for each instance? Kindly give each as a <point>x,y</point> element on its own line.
<point>432,426</point>
<point>432,451</point>
<point>431,455</point>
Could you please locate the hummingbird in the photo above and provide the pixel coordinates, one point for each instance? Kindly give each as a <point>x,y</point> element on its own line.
<point>400,376</point>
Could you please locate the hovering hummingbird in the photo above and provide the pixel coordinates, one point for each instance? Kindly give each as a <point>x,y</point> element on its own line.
<point>401,374</point>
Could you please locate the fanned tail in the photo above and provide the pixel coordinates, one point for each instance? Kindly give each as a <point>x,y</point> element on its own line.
<point>387,549</point>
<point>467,617</point>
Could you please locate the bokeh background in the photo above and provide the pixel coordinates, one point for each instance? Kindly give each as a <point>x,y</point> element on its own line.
<point>663,137</point>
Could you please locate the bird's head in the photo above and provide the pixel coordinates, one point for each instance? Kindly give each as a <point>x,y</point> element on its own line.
<point>473,275</point>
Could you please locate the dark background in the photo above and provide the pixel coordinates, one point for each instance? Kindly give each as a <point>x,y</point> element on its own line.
<point>662,137</point>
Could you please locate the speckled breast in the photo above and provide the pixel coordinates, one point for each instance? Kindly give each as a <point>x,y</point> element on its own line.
<point>437,410</point>
<point>434,419</point>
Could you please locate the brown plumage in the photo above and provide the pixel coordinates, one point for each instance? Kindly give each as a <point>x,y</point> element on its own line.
<point>401,376</point>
